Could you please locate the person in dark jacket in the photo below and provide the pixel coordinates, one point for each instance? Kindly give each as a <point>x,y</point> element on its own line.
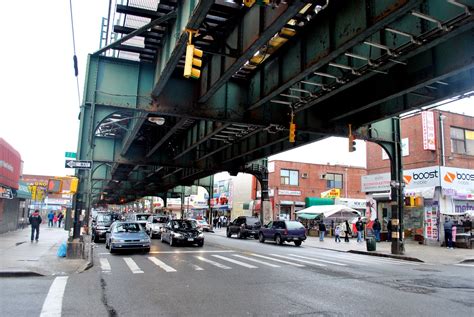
<point>389,230</point>
<point>448,233</point>
<point>347,231</point>
<point>360,229</point>
<point>35,221</point>
<point>322,231</point>
<point>377,227</point>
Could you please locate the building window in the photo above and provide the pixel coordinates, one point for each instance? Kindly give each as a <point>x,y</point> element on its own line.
<point>462,141</point>
<point>289,177</point>
<point>333,180</point>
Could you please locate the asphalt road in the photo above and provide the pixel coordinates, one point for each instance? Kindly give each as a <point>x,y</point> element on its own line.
<point>232,277</point>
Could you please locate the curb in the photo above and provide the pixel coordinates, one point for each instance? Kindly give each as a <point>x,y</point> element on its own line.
<point>19,273</point>
<point>393,256</point>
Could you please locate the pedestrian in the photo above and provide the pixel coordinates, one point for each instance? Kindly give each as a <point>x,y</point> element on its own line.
<point>360,228</point>
<point>337,232</point>
<point>219,222</point>
<point>55,219</point>
<point>50,218</point>
<point>347,231</point>
<point>389,230</point>
<point>377,227</point>
<point>448,233</point>
<point>214,221</point>
<point>35,221</point>
<point>322,231</point>
<point>60,219</point>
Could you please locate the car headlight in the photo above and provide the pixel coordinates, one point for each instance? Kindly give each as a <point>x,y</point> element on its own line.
<point>117,240</point>
<point>101,228</point>
<point>177,235</point>
<point>144,240</point>
<point>201,235</point>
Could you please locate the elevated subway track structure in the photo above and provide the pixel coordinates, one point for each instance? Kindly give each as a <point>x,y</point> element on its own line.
<point>331,63</point>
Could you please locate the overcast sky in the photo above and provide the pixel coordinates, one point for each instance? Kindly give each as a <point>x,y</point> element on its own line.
<point>39,100</point>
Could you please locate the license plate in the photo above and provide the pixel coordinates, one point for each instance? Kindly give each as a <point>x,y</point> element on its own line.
<point>190,239</point>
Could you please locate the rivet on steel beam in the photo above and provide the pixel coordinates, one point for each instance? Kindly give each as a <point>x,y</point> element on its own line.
<point>340,81</point>
<point>353,71</point>
<point>382,47</point>
<point>315,84</point>
<point>431,19</point>
<point>411,37</point>
<point>465,7</point>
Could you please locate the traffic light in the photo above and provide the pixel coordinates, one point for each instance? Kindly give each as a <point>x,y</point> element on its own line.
<point>74,184</point>
<point>193,59</point>
<point>55,186</point>
<point>352,143</point>
<point>292,135</point>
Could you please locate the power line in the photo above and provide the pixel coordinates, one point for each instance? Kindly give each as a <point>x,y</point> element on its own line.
<point>76,68</point>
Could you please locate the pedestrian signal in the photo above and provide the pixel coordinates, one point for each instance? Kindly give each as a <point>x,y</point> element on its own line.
<point>55,186</point>
<point>192,62</point>
<point>352,143</point>
<point>292,135</point>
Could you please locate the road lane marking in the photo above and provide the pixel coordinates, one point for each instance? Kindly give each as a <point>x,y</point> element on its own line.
<point>375,260</point>
<point>466,265</point>
<point>222,266</point>
<point>302,261</point>
<point>53,303</point>
<point>161,264</point>
<point>188,251</point>
<point>105,265</point>
<point>255,260</point>
<point>316,259</point>
<point>235,261</point>
<point>277,260</point>
<point>197,268</point>
<point>132,266</point>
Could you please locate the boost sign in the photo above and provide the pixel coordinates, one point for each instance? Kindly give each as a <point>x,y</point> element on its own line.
<point>422,177</point>
<point>457,178</point>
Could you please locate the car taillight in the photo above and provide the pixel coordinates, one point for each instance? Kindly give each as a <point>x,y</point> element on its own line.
<point>285,232</point>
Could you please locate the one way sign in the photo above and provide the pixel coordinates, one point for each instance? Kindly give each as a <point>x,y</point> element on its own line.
<point>78,164</point>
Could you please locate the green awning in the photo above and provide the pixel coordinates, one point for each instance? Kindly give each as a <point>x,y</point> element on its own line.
<point>307,216</point>
<point>23,191</point>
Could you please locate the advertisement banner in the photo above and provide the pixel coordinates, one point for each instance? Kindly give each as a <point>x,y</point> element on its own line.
<point>422,177</point>
<point>428,126</point>
<point>457,181</point>
<point>10,164</point>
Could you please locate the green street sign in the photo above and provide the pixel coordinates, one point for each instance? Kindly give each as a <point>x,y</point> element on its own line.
<point>71,154</point>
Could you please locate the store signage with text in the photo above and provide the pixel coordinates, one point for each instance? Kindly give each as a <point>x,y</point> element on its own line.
<point>289,192</point>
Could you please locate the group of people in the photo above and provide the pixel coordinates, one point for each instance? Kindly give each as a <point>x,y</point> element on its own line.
<point>55,219</point>
<point>220,221</point>
<point>450,230</point>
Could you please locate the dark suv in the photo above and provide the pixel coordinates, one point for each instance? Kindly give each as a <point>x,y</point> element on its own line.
<point>101,224</point>
<point>244,227</point>
<point>281,231</point>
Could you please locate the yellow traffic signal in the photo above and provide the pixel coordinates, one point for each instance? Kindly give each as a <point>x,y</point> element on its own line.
<point>352,143</point>
<point>74,184</point>
<point>193,58</point>
<point>292,135</point>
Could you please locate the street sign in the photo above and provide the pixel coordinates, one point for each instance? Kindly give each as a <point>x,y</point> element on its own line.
<point>78,164</point>
<point>70,154</point>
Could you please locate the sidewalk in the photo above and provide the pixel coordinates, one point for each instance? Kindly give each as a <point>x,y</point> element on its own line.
<point>413,250</point>
<point>20,257</point>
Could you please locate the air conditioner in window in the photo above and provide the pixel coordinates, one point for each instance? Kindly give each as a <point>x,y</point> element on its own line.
<point>322,176</point>
<point>304,175</point>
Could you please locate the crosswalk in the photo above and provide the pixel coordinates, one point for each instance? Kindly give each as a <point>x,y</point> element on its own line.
<point>245,260</point>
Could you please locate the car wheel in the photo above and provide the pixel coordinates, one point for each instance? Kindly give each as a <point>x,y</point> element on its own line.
<point>261,238</point>
<point>200,244</point>
<point>147,250</point>
<point>278,239</point>
<point>112,250</point>
<point>255,236</point>
<point>298,243</point>
<point>229,234</point>
<point>239,234</point>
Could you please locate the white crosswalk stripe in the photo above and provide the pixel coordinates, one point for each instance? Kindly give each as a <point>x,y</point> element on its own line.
<point>161,264</point>
<point>277,260</point>
<point>222,266</point>
<point>299,260</point>
<point>465,265</point>
<point>235,261</point>
<point>105,265</point>
<point>197,268</point>
<point>370,259</point>
<point>132,266</point>
<point>255,260</point>
<point>316,259</point>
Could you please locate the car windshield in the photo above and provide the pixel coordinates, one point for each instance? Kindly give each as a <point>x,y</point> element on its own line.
<point>294,225</point>
<point>128,227</point>
<point>159,219</point>
<point>142,217</point>
<point>104,218</point>
<point>184,224</point>
<point>253,221</point>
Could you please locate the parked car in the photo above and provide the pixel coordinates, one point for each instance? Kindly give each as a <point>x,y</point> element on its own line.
<point>182,231</point>
<point>154,224</point>
<point>244,226</point>
<point>127,235</point>
<point>283,230</point>
<point>141,218</point>
<point>100,224</point>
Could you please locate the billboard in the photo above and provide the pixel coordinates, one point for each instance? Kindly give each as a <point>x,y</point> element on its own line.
<point>10,165</point>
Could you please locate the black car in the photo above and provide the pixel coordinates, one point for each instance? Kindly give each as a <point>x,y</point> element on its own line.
<point>283,230</point>
<point>100,224</point>
<point>244,226</point>
<point>182,232</point>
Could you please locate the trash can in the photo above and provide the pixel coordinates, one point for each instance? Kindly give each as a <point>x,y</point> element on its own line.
<point>371,245</point>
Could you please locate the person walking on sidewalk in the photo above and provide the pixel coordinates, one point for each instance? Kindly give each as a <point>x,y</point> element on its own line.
<point>35,221</point>
<point>50,218</point>
<point>337,232</point>
<point>60,218</point>
<point>389,230</point>
<point>360,228</point>
<point>377,227</point>
<point>347,231</point>
<point>322,231</point>
<point>448,233</point>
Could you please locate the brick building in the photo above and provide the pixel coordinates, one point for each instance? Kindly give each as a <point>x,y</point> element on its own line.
<point>290,183</point>
<point>438,171</point>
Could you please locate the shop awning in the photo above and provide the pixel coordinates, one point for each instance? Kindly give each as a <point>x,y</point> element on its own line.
<point>329,210</point>
<point>307,216</point>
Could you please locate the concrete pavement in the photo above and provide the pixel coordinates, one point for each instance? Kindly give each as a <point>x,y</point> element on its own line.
<point>413,250</point>
<point>20,257</point>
